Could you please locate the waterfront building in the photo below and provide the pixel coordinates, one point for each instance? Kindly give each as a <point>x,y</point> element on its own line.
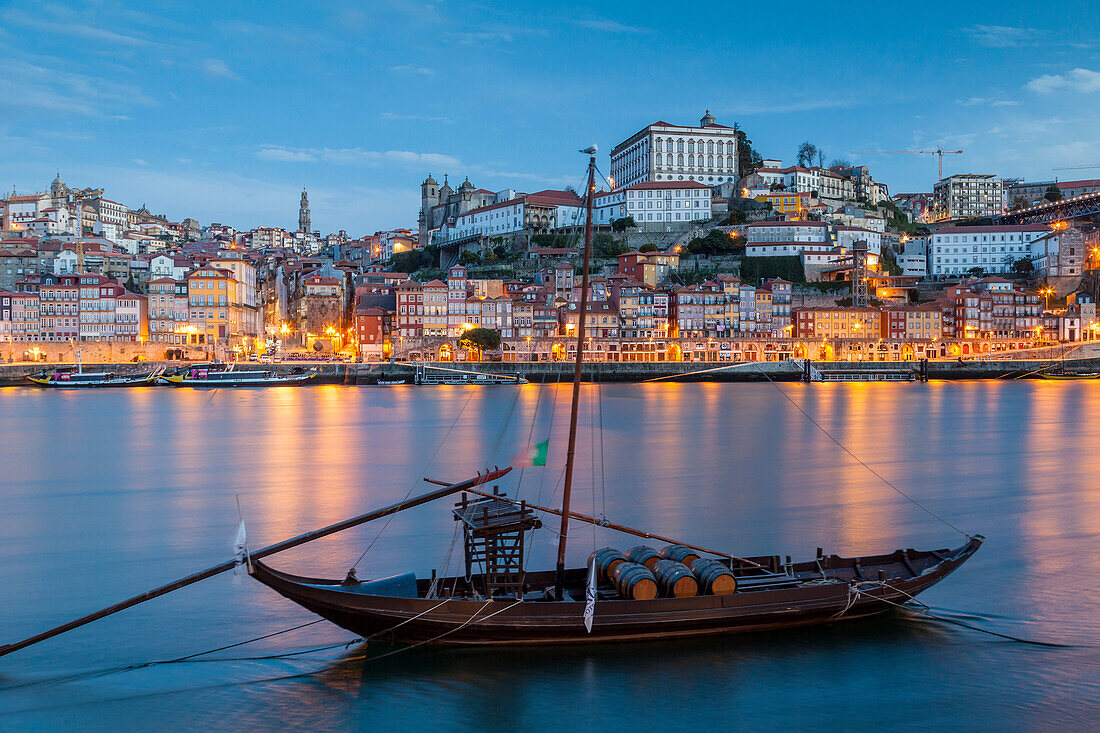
<point>15,265</point>
<point>410,309</point>
<point>966,196</point>
<point>666,152</point>
<point>836,322</point>
<point>1061,253</point>
<point>601,320</point>
<point>435,320</point>
<point>534,213</point>
<point>1073,189</point>
<point>955,250</point>
<point>373,326</point>
<point>648,268</point>
<point>59,307</point>
<point>992,308</point>
<point>320,304</point>
<point>245,317</point>
<point>168,310</point>
<point>791,204</point>
<point>787,238</point>
<point>208,304</point>
<point>655,206</point>
<point>24,315</point>
<point>918,322</point>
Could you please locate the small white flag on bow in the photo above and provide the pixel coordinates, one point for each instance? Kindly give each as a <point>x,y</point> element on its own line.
<point>240,546</point>
<point>590,596</point>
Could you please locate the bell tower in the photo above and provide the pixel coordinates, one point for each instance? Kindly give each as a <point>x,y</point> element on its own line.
<point>303,214</point>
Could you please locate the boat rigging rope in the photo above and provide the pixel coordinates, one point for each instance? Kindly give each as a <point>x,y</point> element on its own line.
<point>860,461</point>
<point>923,609</point>
<point>530,436</point>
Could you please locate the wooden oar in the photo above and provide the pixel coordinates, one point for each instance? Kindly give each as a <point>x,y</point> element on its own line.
<point>257,554</point>
<point>610,525</point>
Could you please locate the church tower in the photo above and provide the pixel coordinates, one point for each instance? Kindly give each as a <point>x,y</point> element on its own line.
<point>303,214</point>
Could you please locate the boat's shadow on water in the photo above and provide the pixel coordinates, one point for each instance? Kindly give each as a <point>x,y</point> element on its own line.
<point>372,664</point>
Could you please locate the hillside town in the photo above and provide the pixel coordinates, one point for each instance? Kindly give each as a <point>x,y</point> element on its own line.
<point>703,250</point>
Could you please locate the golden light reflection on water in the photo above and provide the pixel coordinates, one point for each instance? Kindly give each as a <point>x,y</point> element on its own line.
<point>99,483</point>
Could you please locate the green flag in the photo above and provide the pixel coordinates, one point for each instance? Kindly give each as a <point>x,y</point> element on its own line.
<point>538,453</point>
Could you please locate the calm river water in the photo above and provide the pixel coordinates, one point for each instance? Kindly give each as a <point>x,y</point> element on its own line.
<point>105,494</point>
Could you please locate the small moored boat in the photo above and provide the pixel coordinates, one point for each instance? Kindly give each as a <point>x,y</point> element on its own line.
<point>203,375</point>
<point>70,378</point>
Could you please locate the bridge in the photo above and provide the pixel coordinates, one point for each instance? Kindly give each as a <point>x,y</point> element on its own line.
<point>1078,207</point>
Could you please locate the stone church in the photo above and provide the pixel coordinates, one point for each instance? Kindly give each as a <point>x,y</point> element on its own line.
<point>442,204</point>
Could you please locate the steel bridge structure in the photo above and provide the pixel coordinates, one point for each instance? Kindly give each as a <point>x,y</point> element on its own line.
<point>1078,207</point>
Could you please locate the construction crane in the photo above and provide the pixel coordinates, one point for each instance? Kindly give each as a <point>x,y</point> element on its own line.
<point>938,151</point>
<point>1075,167</point>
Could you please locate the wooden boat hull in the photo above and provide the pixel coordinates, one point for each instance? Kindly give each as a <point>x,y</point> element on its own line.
<point>141,381</point>
<point>180,380</point>
<point>503,621</point>
<point>1070,376</point>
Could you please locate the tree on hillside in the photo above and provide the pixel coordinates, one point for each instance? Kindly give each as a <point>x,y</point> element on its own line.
<point>735,217</point>
<point>1018,203</point>
<point>748,160</point>
<point>715,243</point>
<point>621,225</point>
<point>605,245</point>
<point>1053,193</point>
<point>648,247</point>
<point>820,158</point>
<point>840,163</point>
<point>807,152</point>
<point>1023,266</point>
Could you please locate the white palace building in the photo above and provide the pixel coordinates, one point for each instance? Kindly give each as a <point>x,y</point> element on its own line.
<point>663,152</point>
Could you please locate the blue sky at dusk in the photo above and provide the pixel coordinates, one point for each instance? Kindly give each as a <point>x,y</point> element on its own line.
<point>223,111</point>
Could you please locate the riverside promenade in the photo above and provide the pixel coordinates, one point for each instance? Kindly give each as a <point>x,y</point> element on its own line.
<point>598,372</point>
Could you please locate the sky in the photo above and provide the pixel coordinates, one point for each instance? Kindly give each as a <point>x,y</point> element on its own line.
<point>225,111</point>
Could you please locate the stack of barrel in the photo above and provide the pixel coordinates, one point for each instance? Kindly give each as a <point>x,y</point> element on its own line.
<point>643,573</point>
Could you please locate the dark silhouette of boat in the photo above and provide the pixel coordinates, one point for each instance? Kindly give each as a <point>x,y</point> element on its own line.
<point>458,611</point>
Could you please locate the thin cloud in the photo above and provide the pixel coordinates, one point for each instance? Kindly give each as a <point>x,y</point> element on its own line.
<point>52,20</point>
<point>218,68</point>
<point>421,70</point>
<point>1077,80</point>
<point>54,90</point>
<point>283,155</point>
<point>609,26</point>
<point>986,102</point>
<point>354,156</point>
<point>1002,36</point>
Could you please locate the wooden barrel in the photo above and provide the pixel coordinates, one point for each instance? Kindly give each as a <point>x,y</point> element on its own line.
<point>679,553</point>
<point>714,577</point>
<point>606,559</point>
<point>634,582</point>
<point>643,555</point>
<point>674,580</point>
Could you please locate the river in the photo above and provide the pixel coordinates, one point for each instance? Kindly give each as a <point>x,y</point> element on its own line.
<point>107,493</point>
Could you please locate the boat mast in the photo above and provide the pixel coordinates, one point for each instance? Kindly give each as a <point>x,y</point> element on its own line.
<point>581,314</point>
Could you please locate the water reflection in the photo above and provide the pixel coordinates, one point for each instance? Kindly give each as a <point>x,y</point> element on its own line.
<point>114,492</point>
